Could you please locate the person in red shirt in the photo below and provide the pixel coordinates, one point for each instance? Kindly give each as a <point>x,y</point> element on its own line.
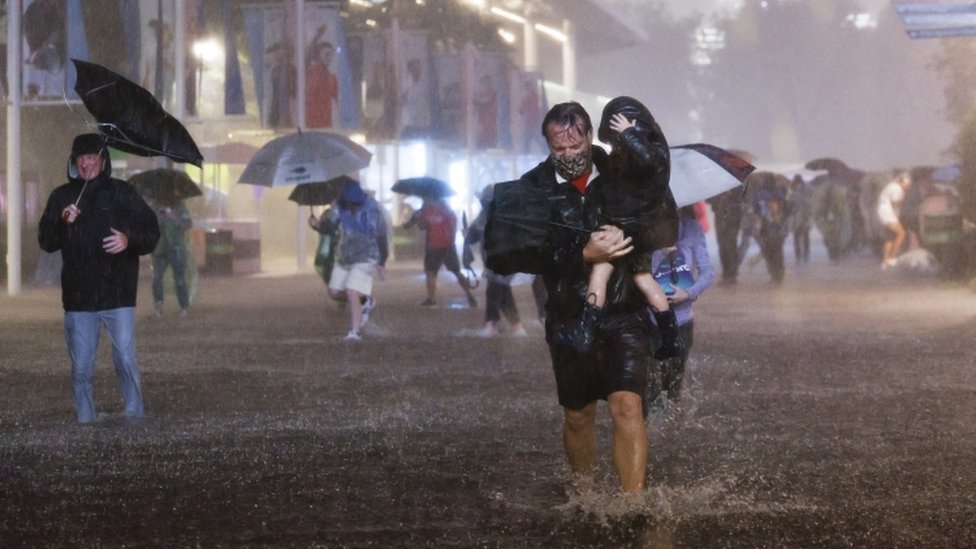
<point>439,221</point>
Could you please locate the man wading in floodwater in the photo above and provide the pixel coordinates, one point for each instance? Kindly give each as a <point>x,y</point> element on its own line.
<point>616,367</point>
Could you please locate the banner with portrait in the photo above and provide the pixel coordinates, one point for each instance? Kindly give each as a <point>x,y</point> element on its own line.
<point>488,110</point>
<point>528,107</point>
<point>413,83</point>
<point>449,99</point>
<point>45,46</point>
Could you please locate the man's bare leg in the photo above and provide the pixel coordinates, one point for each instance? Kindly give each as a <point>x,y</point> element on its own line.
<point>579,441</point>
<point>629,440</point>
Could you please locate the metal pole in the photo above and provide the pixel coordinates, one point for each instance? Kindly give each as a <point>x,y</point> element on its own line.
<point>15,186</point>
<point>569,57</point>
<point>531,46</point>
<point>179,50</point>
<point>301,227</point>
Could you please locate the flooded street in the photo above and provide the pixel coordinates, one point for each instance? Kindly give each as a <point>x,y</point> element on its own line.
<point>834,411</point>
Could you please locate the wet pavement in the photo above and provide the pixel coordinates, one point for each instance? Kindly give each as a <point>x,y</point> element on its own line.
<point>835,411</point>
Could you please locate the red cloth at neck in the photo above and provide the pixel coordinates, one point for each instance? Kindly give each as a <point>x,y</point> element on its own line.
<point>581,181</point>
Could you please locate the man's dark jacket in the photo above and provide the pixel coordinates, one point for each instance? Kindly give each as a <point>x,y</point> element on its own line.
<point>91,278</point>
<point>563,270</point>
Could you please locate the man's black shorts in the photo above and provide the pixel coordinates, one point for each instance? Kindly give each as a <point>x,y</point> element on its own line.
<point>620,361</point>
<point>434,258</point>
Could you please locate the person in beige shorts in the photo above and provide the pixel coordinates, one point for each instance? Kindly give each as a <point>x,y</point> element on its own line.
<point>360,254</point>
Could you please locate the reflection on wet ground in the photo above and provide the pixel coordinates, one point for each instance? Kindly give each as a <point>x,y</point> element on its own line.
<point>835,411</point>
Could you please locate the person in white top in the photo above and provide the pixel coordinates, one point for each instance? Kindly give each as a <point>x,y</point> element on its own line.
<point>889,202</point>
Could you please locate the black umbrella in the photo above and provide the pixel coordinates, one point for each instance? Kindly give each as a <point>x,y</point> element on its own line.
<point>424,187</point>
<point>130,118</point>
<point>830,165</point>
<point>319,193</point>
<point>165,185</point>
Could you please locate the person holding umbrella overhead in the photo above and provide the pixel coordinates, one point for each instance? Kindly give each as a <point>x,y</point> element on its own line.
<point>361,253</point>
<point>101,226</point>
<point>440,223</point>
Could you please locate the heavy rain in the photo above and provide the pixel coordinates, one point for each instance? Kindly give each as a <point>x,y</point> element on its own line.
<point>826,399</point>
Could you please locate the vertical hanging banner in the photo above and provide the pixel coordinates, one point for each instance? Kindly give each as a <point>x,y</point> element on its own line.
<point>379,99</point>
<point>157,70</point>
<point>489,96</point>
<point>527,107</point>
<point>272,53</point>
<point>321,43</point>
<point>449,99</point>
<point>45,47</point>
<point>413,84</point>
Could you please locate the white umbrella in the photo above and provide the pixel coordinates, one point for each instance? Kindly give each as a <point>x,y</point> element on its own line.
<point>304,157</point>
<point>701,171</point>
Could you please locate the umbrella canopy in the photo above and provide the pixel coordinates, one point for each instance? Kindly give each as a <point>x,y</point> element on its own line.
<point>165,185</point>
<point>831,165</point>
<point>319,193</point>
<point>424,187</point>
<point>304,157</point>
<point>701,171</point>
<point>130,118</point>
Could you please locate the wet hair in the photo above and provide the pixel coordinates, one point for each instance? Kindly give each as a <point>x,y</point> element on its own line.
<point>570,114</point>
<point>633,110</point>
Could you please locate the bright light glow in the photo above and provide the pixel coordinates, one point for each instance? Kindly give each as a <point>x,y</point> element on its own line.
<point>506,36</point>
<point>508,15</point>
<point>558,35</point>
<point>370,22</point>
<point>358,138</point>
<point>208,50</point>
<point>480,4</point>
<point>413,159</point>
<point>361,3</point>
<point>862,20</point>
<point>457,178</point>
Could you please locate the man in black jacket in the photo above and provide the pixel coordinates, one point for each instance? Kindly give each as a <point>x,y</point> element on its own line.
<point>616,368</point>
<point>101,226</point>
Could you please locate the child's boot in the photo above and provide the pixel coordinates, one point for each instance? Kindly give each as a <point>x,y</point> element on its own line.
<point>671,344</point>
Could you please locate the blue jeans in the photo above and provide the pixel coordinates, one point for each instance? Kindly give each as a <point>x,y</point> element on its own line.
<point>81,331</point>
<point>176,259</point>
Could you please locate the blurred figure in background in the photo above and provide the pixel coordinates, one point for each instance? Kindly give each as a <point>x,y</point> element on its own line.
<point>772,212</point>
<point>171,252</point>
<point>727,208</point>
<point>499,299</point>
<point>685,271</point>
<point>440,223</point>
<point>889,205</point>
<point>800,223</point>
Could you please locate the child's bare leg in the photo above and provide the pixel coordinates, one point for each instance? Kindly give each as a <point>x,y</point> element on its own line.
<point>599,278</point>
<point>652,291</point>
